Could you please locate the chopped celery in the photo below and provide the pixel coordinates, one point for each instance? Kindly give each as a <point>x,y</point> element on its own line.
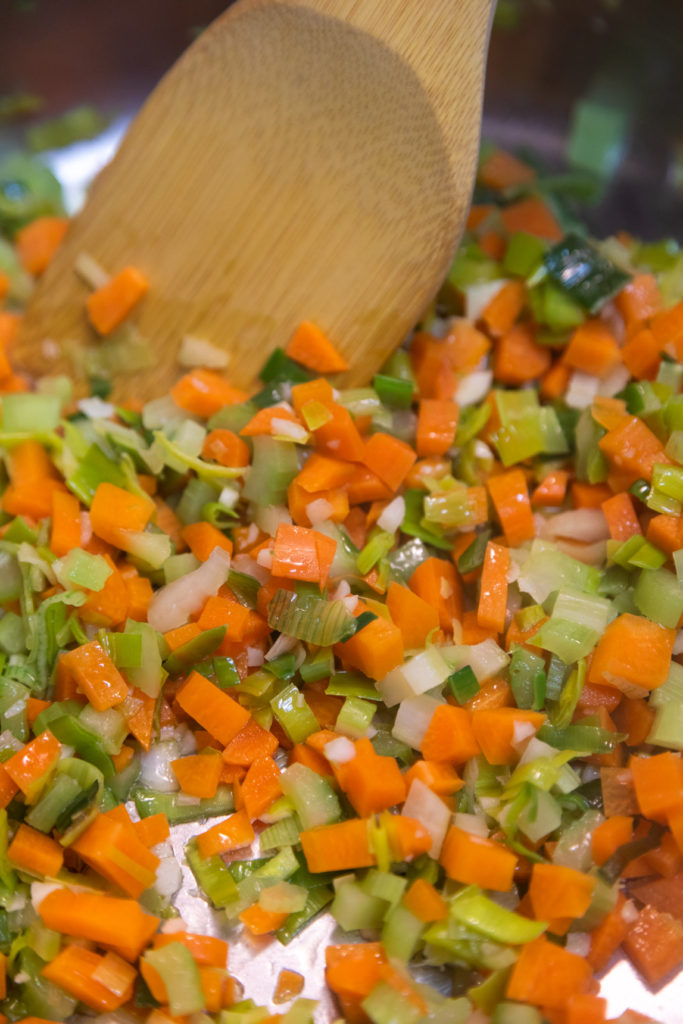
<point>524,669</point>
<point>475,910</point>
<point>354,909</point>
<point>412,521</point>
<point>29,413</point>
<point>659,596</point>
<point>583,273</point>
<point>150,675</point>
<point>463,684</point>
<point>274,466</point>
<point>355,717</point>
<point>194,650</point>
<point>317,899</point>
<point>523,254</point>
<point>314,799</point>
<point>310,618</point>
<point>293,713</point>
<point>395,392</point>
<point>212,875</point>
<point>401,932</point>
<point>279,367</point>
<point>281,833</point>
<point>351,684</point>
<point>177,810</point>
<point>180,975</point>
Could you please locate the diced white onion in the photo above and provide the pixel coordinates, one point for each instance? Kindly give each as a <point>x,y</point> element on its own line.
<point>342,590</point>
<point>90,271</point>
<point>482,450</point>
<point>340,750</point>
<point>250,567</point>
<point>265,558</point>
<point>584,524</point>
<point>199,352</point>
<point>521,732</point>
<point>478,296</point>
<point>228,497</point>
<point>629,689</point>
<point>269,517</point>
<point>282,645</point>
<point>629,912</point>
<point>472,823</point>
<point>590,554</point>
<point>169,877</point>
<point>421,673</point>
<point>678,643</point>
<point>473,388</point>
<point>319,510</point>
<point>581,390</point>
<point>426,807</point>
<point>155,766</point>
<point>614,381</point>
<point>487,659</point>
<point>578,943</point>
<point>287,428</point>
<point>413,718</point>
<point>536,749</point>
<point>173,604</point>
<point>393,515</point>
<point>95,409</point>
<point>351,602</point>
<point>172,925</point>
<point>255,657</point>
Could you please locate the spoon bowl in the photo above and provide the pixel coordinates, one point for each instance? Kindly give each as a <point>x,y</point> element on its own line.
<point>301,161</point>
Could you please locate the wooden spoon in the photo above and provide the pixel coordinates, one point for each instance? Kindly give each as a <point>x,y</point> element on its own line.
<point>303,160</point>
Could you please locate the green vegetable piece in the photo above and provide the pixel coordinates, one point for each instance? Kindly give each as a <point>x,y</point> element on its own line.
<point>463,684</point>
<point>583,273</point>
<point>194,650</point>
<point>395,392</point>
<point>180,975</point>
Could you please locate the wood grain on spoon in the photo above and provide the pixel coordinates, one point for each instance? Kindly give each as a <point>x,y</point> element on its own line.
<point>304,159</point>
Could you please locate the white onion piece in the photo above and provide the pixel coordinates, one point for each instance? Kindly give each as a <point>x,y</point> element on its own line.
<point>393,515</point>
<point>421,673</point>
<point>155,766</point>
<point>614,381</point>
<point>487,659</point>
<point>473,388</point>
<point>475,824</point>
<point>282,645</point>
<point>250,567</point>
<point>199,352</point>
<point>578,943</point>
<point>319,511</point>
<point>95,409</point>
<point>426,807</point>
<point>413,718</point>
<point>581,390</point>
<point>629,911</point>
<point>340,750</point>
<point>478,296</point>
<point>269,518</point>
<point>584,524</point>
<point>173,605</point>
<point>39,890</point>
<point>589,554</point>
<point>169,877</point>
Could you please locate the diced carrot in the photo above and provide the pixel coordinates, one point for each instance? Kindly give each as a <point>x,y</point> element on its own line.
<point>475,860</point>
<point>559,891</point>
<point>592,349</point>
<point>215,711</point>
<point>109,606</point>
<point>493,693</point>
<point>252,742</point>
<point>202,538</point>
<point>303,754</point>
<point>415,618</point>
<point>654,942</point>
<point>302,554</point>
<point>518,358</point>
<point>232,834</point>
<point>198,774</point>
<point>632,451</point>
<point>478,213</point>
<point>635,718</point>
<point>552,490</point>
<point>667,327</point>
<point>74,969</point>
<point>586,495</point>
<point>322,473</point>
<point>112,303</point>
<point>492,243</point>
<point>31,767</point>
<point>139,710</point>
<point>343,846</point>
<point>436,425</point>
<point>495,731</point>
<point>152,830</point>
<point>113,849</point>
<point>260,787</point>
<point>207,950</point>
<point>96,675</point>
<point>658,782</point>
<point>118,924</point>
<point>547,975</point>
<point>621,517</point>
<point>510,497</point>
<point>36,853</point>
<point>314,350</point>
<point>390,458</point>
<point>8,787</point>
<point>270,421</point>
<point>375,649</point>
<point>365,485</point>
<point>436,581</point>
<point>554,382</point>
<point>666,533</point>
<point>609,835</point>
<point>425,902</point>
<point>450,736</point>
<point>139,590</point>
<point>608,936</point>
<point>115,510</point>
<point>501,170</point>
<point>123,758</point>
<point>65,532</point>
<point>339,435</point>
<point>38,241</point>
<point>493,592</point>
<point>502,311</point>
<point>372,782</point>
<point>634,651</point>
<point>226,448</point>
<point>641,355</point>
<point>639,300</point>
<point>220,611</point>
<point>203,392</point>
<point>585,1008</point>
<point>438,776</point>
<point>352,971</point>
<point>533,216</point>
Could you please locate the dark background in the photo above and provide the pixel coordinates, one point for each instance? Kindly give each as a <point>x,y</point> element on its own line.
<point>559,51</point>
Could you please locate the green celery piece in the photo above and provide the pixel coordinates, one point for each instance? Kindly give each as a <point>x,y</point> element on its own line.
<point>524,668</point>
<point>284,666</point>
<point>396,392</point>
<point>355,717</point>
<point>244,587</point>
<point>318,898</point>
<point>562,712</point>
<point>569,640</point>
<point>352,684</point>
<point>12,633</point>
<point>475,910</point>
<point>81,569</point>
<point>583,273</point>
<point>10,577</point>
<point>310,618</point>
<point>293,713</point>
<point>284,832</point>
<point>19,532</point>
<point>38,996</point>
<point>401,932</point>
<point>274,466</point>
<point>489,993</point>
<point>314,799</point>
<point>150,676</point>
<point>196,495</point>
<point>179,565</point>
<point>7,875</point>
<point>471,421</point>
<point>28,189</point>
<point>668,480</point>
<point>149,801</point>
<point>92,470</point>
<point>196,649</point>
<point>30,412</point>
<point>58,796</point>
<point>177,459</point>
<point>667,727</point>
<point>472,266</point>
<point>181,977</point>
<point>413,525</point>
<point>125,649</point>
<point>319,665</point>
<point>91,747</point>
<point>212,876</point>
<point>279,367</point>
<point>523,254</point>
<point>588,739</point>
<point>450,509</point>
<point>376,548</point>
<point>558,311</point>
<point>473,556</point>
<point>516,1013</point>
<point>659,596</point>
<point>463,684</point>
<point>354,909</point>
<point>76,125</point>
<point>590,463</point>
